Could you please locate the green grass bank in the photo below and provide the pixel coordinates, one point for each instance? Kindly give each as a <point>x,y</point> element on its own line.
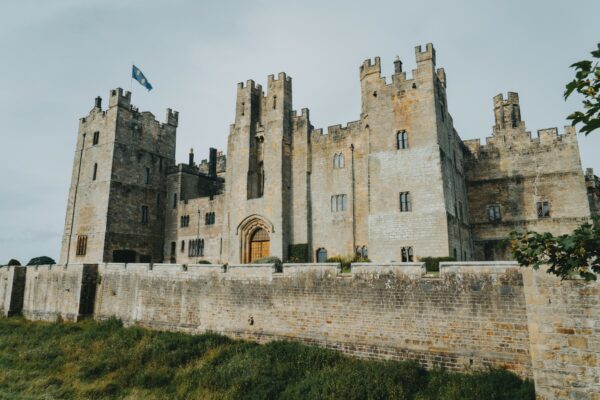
<point>91,360</point>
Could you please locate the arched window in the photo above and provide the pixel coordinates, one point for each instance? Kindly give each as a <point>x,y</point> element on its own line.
<point>402,140</point>
<point>341,161</point>
<point>365,253</point>
<point>321,255</point>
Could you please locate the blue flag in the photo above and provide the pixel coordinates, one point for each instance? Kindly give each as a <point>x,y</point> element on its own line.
<point>139,76</point>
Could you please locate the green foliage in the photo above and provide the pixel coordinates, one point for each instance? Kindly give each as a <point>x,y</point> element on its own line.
<point>91,360</point>
<point>586,83</point>
<point>298,253</point>
<point>43,260</point>
<point>432,264</point>
<point>14,262</point>
<point>270,260</point>
<point>346,261</point>
<point>566,255</point>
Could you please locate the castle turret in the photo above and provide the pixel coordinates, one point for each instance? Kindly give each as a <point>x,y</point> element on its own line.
<point>507,112</point>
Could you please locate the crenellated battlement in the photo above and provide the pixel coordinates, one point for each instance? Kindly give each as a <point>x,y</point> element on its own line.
<point>427,55</point>
<point>369,67</point>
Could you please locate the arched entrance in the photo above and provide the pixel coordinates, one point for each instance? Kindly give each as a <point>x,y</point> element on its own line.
<point>255,238</point>
<point>259,245</point>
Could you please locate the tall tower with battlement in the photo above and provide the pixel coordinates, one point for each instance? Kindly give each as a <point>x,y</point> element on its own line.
<point>258,168</point>
<point>116,203</point>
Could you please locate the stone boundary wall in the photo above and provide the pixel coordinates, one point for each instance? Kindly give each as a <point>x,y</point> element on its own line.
<point>54,292</point>
<point>472,315</point>
<point>564,329</point>
<point>12,288</point>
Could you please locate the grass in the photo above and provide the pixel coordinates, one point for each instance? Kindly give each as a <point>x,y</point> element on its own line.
<point>90,360</point>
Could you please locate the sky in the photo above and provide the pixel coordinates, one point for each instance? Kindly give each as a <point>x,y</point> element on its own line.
<point>57,56</point>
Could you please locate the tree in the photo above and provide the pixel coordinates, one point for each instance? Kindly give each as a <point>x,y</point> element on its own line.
<point>586,83</point>
<point>13,262</point>
<point>43,260</point>
<point>567,255</point>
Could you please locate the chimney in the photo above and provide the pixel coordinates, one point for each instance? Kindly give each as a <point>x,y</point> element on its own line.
<point>98,102</point>
<point>191,157</point>
<point>397,65</point>
<point>212,162</point>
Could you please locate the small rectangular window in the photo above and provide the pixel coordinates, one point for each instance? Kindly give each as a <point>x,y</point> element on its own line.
<point>407,254</point>
<point>81,245</point>
<point>405,202</point>
<point>401,140</point>
<point>96,138</point>
<point>173,246</point>
<point>339,202</point>
<point>147,176</point>
<point>182,246</point>
<point>494,213</point>
<point>174,200</point>
<point>95,171</point>
<point>144,214</point>
<point>543,209</point>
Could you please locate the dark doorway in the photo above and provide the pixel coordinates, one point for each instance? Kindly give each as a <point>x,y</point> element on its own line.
<point>321,255</point>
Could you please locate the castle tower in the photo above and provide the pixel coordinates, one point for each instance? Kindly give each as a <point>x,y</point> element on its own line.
<point>258,167</point>
<point>115,210</point>
<point>415,164</point>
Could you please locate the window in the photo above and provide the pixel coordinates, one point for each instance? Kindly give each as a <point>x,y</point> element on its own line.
<point>196,247</point>
<point>209,218</point>
<point>543,209</point>
<point>173,245</point>
<point>455,255</point>
<point>494,213</point>
<point>95,171</point>
<point>81,245</point>
<point>96,138</point>
<point>144,214</point>
<point>405,202</point>
<point>182,246</point>
<point>158,201</point>
<point>338,161</point>
<point>243,107</point>
<point>365,253</point>
<point>407,254</point>
<point>274,102</point>
<point>402,140</point>
<point>361,251</point>
<point>465,255</point>
<point>339,202</point>
<point>174,200</point>
<point>147,176</point>
<point>321,255</point>
<point>184,221</point>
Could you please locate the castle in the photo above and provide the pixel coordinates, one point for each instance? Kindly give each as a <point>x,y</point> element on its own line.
<point>396,185</point>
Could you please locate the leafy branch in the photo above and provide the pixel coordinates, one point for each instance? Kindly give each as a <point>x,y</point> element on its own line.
<point>586,83</point>
<point>566,255</point>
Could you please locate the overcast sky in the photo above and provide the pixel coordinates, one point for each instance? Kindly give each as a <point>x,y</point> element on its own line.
<point>56,56</point>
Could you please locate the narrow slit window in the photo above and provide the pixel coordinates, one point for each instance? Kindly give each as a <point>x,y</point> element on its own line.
<point>96,138</point>
<point>405,202</point>
<point>144,214</point>
<point>401,140</point>
<point>95,173</point>
<point>147,176</point>
<point>81,245</point>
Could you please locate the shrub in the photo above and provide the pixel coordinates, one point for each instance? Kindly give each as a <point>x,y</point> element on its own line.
<point>298,253</point>
<point>346,261</point>
<point>270,260</point>
<point>432,264</point>
<point>13,262</point>
<point>43,260</point>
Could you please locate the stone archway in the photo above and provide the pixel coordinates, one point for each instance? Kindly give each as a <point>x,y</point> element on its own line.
<point>255,240</point>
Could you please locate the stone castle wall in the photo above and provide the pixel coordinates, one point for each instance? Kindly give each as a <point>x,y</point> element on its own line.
<point>471,316</point>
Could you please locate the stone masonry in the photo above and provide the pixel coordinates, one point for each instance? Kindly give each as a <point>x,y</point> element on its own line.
<point>471,316</point>
<point>395,185</point>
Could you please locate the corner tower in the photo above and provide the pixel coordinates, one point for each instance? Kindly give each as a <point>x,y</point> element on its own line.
<point>115,209</point>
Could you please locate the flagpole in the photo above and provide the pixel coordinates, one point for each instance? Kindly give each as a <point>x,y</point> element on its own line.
<point>131,79</point>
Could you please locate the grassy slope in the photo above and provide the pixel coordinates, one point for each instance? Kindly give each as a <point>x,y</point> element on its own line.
<point>104,360</point>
